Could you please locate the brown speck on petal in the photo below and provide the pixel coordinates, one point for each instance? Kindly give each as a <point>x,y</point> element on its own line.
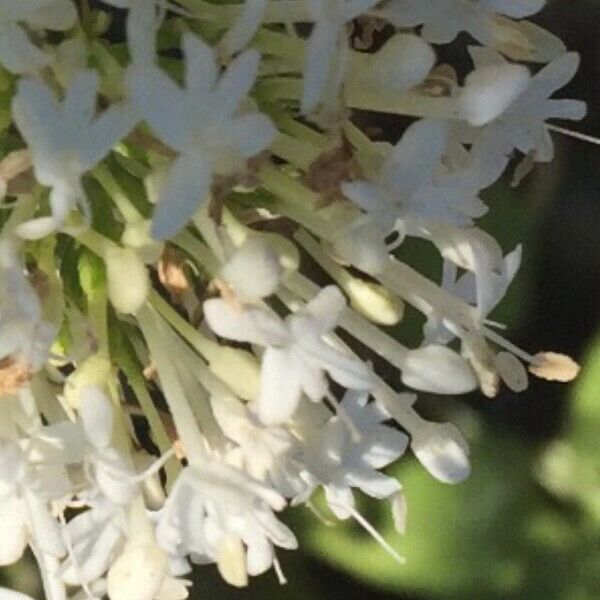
<point>329,170</point>
<point>553,366</point>
<point>14,374</point>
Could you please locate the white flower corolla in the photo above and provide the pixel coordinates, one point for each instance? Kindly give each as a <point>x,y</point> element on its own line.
<point>27,485</point>
<point>105,467</point>
<point>25,337</point>
<point>216,513</point>
<point>522,125</point>
<point>297,356</point>
<point>486,20</point>
<point>498,279</point>
<point>269,454</point>
<point>95,538</point>
<point>329,18</point>
<point>66,140</point>
<point>340,460</point>
<point>253,271</point>
<point>204,126</point>
<point>18,53</point>
<point>413,184</point>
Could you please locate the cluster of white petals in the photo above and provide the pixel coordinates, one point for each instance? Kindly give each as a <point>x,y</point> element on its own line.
<point>198,266</point>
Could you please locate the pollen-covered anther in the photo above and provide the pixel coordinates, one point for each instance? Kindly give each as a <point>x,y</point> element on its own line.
<point>14,374</point>
<point>172,274</point>
<point>553,366</point>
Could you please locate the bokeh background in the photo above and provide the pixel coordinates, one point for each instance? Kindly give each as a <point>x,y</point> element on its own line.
<point>526,525</point>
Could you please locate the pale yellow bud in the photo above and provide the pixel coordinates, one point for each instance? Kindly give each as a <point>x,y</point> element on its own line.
<point>374,302</point>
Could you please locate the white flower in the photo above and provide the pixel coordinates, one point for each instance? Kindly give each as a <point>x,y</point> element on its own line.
<point>105,467</point>
<point>204,126</point>
<point>216,513</point>
<point>96,537</point>
<point>17,52</point>
<point>330,18</point>
<point>413,184</point>
<point>29,480</point>
<point>498,279</point>
<point>485,20</point>
<point>296,356</point>
<point>253,271</point>
<point>522,125</point>
<point>66,139</point>
<point>269,454</point>
<point>339,462</point>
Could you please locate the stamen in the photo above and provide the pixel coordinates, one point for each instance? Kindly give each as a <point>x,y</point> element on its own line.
<point>279,571</point>
<point>574,134</point>
<point>370,529</point>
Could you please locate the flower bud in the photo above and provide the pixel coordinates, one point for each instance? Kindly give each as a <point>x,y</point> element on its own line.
<point>138,573</point>
<point>438,370</point>
<point>239,369</point>
<point>374,301</point>
<point>128,283</point>
<point>402,63</point>
<point>94,371</point>
<point>442,450</point>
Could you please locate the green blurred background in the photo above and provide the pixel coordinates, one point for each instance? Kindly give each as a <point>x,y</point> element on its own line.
<point>526,525</point>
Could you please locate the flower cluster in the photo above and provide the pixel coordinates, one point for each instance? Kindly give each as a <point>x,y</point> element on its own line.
<point>171,376</point>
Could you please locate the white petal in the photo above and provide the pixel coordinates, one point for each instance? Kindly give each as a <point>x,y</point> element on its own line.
<point>240,34</point>
<point>185,188</point>
<point>252,133</point>
<point>489,91</point>
<point>325,308</point>
<point>96,414</point>
<point>200,66</point>
<point>17,53</point>
<point>14,532</point>
<point>236,81</point>
<point>57,15</point>
<point>156,95</point>
<point>248,324</point>
<point>319,56</point>
<point>340,500</point>
<point>280,387</point>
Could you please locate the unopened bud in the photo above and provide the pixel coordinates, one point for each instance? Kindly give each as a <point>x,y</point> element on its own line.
<point>94,371</point>
<point>438,370</point>
<point>374,301</point>
<point>442,450</point>
<point>128,283</point>
<point>239,369</point>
